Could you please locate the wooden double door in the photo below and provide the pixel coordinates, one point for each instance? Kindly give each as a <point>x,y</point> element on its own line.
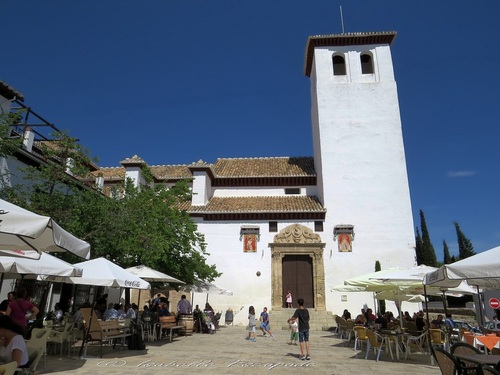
<point>297,277</point>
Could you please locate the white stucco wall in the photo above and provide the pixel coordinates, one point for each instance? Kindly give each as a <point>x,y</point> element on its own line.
<point>239,268</point>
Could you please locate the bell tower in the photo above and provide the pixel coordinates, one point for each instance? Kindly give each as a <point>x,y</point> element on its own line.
<point>359,154</point>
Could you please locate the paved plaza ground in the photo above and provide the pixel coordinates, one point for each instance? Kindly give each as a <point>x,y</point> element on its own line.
<point>227,352</point>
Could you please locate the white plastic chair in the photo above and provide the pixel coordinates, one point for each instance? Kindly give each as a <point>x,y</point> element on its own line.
<point>34,355</point>
<point>38,340</point>
<point>61,337</point>
<point>8,368</point>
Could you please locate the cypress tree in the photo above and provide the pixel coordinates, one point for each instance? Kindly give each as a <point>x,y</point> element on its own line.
<point>446,253</point>
<point>465,248</point>
<point>428,253</point>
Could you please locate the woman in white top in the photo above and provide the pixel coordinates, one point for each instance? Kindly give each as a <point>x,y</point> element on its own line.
<point>12,344</point>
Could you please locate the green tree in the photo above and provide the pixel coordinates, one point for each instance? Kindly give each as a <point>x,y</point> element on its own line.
<point>446,253</point>
<point>381,303</point>
<point>419,248</point>
<point>8,143</point>
<point>66,164</point>
<point>428,253</point>
<point>141,226</point>
<point>465,248</point>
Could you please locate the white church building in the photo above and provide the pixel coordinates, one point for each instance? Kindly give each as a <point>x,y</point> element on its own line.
<point>305,224</point>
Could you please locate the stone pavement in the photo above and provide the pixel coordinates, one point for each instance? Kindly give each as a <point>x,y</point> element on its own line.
<point>227,352</point>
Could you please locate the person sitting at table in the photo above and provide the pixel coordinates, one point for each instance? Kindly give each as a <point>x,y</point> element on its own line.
<point>448,322</point>
<point>420,321</point>
<point>381,321</point>
<point>121,311</point>
<point>163,310</point>
<point>58,313</point>
<point>12,344</point>
<point>389,316</point>
<point>360,319</point>
<point>129,312</point>
<point>438,322</point>
<point>111,312</point>
<point>147,315</point>
<point>370,317</point>
<point>407,317</point>
<point>346,315</point>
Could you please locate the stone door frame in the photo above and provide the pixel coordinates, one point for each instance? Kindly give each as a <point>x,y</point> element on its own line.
<point>297,240</point>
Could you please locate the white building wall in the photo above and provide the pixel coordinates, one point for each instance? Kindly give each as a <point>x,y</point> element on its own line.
<point>360,162</point>
<point>200,189</point>
<point>240,269</point>
<point>135,174</point>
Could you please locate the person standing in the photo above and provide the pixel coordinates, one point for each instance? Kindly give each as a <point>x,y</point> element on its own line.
<point>183,306</point>
<point>21,309</point>
<point>302,314</point>
<point>289,299</point>
<point>265,327</point>
<point>5,303</point>
<point>252,322</point>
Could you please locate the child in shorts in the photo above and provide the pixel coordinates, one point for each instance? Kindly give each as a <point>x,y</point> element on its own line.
<point>294,330</point>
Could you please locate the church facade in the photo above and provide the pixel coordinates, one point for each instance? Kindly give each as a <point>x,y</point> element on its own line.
<point>305,224</point>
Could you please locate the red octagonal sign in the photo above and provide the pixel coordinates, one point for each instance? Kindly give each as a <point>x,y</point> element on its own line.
<point>494,303</point>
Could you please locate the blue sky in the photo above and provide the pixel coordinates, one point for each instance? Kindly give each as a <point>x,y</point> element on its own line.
<point>179,81</point>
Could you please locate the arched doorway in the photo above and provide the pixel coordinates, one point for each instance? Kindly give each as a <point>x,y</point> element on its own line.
<point>297,265</point>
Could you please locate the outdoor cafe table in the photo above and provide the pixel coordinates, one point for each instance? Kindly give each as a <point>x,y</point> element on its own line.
<point>487,341</point>
<point>395,337</point>
<point>483,359</point>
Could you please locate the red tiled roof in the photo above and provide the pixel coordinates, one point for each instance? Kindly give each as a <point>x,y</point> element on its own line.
<point>227,168</point>
<point>265,167</point>
<point>257,204</point>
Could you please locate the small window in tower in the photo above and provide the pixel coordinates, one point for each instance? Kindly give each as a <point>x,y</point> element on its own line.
<point>366,64</point>
<point>292,191</point>
<point>338,66</point>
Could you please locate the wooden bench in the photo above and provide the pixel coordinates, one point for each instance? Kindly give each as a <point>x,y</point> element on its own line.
<point>102,331</point>
<point>169,323</point>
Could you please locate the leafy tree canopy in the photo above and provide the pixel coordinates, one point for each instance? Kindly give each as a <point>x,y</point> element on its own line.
<point>143,226</point>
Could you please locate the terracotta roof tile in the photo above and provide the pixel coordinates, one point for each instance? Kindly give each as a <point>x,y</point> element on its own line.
<point>257,204</point>
<point>116,173</point>
<point>9,92</point>
<point>164,172</point>
<point>265,167</point>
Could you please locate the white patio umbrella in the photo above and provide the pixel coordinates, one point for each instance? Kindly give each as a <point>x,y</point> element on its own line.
<point>152,275</point>
<point>205,287</point>
<point>47,265</point>
<point>26,234</point>
<point>403,282</point>
<point>481,270</point>
<point>102,272</point>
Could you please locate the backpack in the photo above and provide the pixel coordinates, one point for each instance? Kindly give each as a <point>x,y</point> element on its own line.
<point>136,342</point>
